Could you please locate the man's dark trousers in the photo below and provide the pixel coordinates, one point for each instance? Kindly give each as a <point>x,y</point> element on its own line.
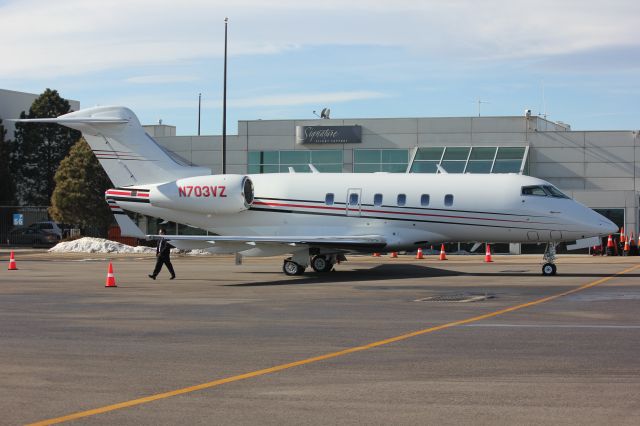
<point>163,253</point>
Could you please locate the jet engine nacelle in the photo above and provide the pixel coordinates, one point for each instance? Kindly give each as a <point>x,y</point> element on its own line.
<point>214,194</point>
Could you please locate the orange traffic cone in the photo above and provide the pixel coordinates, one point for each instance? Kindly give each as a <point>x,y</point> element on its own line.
<point>394,254</point>
<point>623,238</point>
<point>419,254</point>
<point>487,254</point>
<point>610,247</point>
<point>111,279</point>
<point>376,254</point>
<point>12,262</point>
<point>626,249</point>
<point>443,254</point>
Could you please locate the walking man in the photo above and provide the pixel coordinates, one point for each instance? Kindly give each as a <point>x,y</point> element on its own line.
<point>163,256</point>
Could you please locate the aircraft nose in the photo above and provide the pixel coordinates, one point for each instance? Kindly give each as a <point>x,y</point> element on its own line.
<point>604,226</point>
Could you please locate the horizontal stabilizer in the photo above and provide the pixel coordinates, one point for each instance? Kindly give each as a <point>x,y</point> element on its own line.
<point>74,120</point>
<point>125,151</point>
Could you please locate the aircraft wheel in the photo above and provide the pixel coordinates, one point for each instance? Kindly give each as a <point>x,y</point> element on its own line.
<point>292,268</point>
<point>549,269</point>
<point>321,264</point>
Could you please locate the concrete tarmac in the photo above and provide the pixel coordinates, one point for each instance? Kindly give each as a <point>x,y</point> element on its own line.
<point>68,344</point>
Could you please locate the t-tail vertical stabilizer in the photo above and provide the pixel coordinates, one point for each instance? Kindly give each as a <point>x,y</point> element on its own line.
<point>126,152</point>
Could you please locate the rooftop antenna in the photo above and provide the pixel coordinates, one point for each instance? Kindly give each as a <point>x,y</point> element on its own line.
<point>544,101</point>
<point>325,113</point>
<point>480,102</point>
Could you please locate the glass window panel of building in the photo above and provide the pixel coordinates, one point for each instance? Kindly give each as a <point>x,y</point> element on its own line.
<point>484,159</point>
<point>380,160</point>
<point>453,166</point>
<point>429,154</point>
<point>482,153</point>
<point>456,153</point>
<point>328,161</point>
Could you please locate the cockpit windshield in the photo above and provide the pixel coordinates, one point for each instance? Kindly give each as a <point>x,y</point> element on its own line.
<point>543,191</point>
<point>555,192</point>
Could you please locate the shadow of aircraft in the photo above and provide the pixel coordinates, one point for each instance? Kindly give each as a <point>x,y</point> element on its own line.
<point>394,272</point>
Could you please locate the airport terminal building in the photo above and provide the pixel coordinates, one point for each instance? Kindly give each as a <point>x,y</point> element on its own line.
<point>598,168</point>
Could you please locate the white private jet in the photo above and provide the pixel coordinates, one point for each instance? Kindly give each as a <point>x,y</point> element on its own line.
<point>318,217</point>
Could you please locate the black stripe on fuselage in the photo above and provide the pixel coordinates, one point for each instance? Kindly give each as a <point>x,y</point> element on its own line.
<point>132,189</point>
<point>128,199</point>
<point>398,207</point>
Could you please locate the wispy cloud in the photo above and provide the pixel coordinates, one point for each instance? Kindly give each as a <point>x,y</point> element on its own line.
<point>294,99</point>
<point>281,100</point>
<point>160,79</point>
<point>70,37</point>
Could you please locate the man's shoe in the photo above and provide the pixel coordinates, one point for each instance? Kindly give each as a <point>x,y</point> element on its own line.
<point>172,277</point>
<point>153,277</point>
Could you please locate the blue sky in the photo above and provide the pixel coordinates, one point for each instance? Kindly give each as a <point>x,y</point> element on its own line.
<point>400,58</point>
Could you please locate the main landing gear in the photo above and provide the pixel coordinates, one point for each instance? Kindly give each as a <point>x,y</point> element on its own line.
<point>320,263</point>
<point>289,267</point>
<point>549,257</point>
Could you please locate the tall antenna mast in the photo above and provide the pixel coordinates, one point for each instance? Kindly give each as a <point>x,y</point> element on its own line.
<point>480,102</point>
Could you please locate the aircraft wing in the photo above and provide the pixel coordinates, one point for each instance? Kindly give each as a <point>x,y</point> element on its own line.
<point>241,243</point>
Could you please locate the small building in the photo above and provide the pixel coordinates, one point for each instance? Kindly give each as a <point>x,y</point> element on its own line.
<point>12,103</point>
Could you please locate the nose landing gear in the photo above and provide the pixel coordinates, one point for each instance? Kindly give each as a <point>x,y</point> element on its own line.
<point>549,257</point>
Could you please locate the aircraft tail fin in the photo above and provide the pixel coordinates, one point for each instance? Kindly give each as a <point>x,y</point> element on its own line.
<point>126,152</point>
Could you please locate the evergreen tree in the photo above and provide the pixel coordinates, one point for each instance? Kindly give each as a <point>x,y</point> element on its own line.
<point>7,189</point>
<point>78,197</point>
<point>39,148</point>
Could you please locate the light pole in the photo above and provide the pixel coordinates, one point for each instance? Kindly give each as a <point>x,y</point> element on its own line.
<point>224,103</point>
<point>199,110</point>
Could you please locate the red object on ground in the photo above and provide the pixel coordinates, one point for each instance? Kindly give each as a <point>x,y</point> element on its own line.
<point>443,254</point>
<point>111,279</point>
<point>12,263</point>
<point>487,254</point>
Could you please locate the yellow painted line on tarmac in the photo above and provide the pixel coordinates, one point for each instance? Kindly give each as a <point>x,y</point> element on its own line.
<point>348,351</point>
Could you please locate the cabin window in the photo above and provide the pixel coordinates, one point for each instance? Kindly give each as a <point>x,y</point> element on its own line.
<point>424,200</point>
<point>353,199</point>
<point>328,199</point>
<point>448,200</point>
<point>534,190</point>
<point>377,200</point>
<point>402,199</point>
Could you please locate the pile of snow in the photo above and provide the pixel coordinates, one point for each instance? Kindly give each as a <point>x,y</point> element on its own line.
<point>97,245</point>
<point>195,252</point>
